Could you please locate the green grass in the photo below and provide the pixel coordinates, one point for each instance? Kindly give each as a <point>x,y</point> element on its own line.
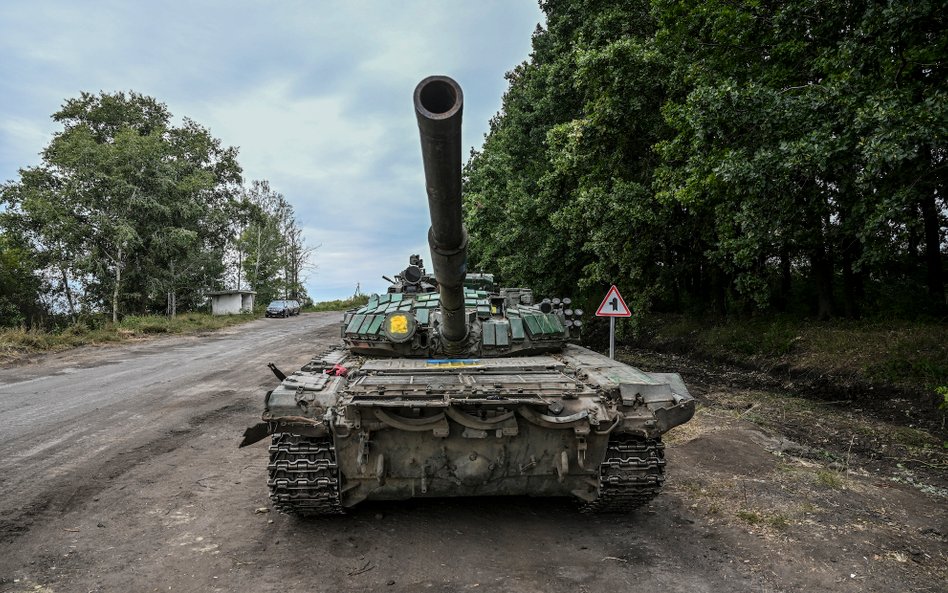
<point>15,342</point>
<point>829,479</point>
<point>910,354</point>
<point>338,305</point>
<point>773,520</point>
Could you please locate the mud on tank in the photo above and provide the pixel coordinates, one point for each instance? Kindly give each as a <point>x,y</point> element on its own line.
<point>443,389</point>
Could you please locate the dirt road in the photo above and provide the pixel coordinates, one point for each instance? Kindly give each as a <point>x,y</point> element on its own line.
<point>119,472</point>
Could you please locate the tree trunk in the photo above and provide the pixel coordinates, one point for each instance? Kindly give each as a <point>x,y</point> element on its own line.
<point>782,299</point>
<point>822,271</point>
<point>935,280</point>
<point>256,266</point>
<point>115,291</point>
<point>913,238</point>
<point>852,280</point>
<point>240,264</point>
<point>718,291</point>
<point>68,291</point>
<point>170,296</point>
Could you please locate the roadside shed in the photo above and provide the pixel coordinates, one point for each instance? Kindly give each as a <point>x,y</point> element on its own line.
<point>231,302</point>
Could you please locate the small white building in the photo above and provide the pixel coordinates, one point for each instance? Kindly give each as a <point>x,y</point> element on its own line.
<point>231,302</point>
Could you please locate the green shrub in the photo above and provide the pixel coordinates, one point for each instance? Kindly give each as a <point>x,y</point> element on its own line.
<point>340,304</point>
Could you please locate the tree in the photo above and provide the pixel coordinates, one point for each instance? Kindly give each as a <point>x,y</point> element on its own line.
<point>812,132</point>
<point>20,287</point>
<point>559,198</point>
<point>271,251</point>
<point>723,156</point>
<point>186,247</point>
<point>127,206</point>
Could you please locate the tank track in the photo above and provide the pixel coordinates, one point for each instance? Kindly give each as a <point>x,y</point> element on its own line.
<point>303,475</point>
<point>630,476</point>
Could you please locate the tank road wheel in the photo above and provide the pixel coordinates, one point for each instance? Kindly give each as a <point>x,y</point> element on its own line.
<point>303,475</point>
<point>630,476</point>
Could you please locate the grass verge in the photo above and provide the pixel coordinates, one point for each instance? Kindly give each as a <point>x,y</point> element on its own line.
<point>909,355</point>
<point>17,342</point>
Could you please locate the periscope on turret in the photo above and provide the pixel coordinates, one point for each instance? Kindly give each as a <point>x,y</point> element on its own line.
<point>447,385</point>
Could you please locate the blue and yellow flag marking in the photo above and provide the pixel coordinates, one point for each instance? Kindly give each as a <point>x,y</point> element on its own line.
<point>449,363</point>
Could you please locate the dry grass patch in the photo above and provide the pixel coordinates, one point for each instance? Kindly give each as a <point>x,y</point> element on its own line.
<point>18,342</point>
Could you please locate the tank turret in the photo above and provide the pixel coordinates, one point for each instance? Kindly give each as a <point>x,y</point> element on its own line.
<point>439,103</point>
<point>413,279</point>
<point>468,316</point>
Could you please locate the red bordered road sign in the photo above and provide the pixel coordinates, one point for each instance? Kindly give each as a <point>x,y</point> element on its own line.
<point>613,305</point>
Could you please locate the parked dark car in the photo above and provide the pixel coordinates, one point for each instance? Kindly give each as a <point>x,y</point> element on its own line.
<point>283,308</point>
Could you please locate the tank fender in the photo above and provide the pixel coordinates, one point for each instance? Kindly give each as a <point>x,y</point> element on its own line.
<point>289,424</point>
<point>673,380</point>
<point>667,399</point>
<point>255,434</point>
<point>304,393</point>
<point>681,412</point>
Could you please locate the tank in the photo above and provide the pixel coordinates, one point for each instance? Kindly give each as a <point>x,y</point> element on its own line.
<point>450,386</point>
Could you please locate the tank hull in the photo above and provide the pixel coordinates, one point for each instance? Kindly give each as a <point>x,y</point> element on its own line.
<point>574,423</point>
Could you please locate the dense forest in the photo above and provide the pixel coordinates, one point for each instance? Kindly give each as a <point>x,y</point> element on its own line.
<point>130,214</point>
<point>723,157</point>
<point>707,157</point>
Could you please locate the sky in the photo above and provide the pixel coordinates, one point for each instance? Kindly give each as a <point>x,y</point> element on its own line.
<point>316,95</point>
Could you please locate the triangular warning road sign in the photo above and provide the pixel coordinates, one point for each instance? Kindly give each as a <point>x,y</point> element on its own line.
<point>613,305</point>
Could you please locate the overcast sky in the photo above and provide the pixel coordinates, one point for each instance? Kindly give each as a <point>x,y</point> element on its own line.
<point>316,95</point>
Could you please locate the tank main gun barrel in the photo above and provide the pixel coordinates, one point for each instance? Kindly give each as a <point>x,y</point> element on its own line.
<point>438,106</point>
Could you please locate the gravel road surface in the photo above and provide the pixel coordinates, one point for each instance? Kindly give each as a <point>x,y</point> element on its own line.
<point>119,471</point>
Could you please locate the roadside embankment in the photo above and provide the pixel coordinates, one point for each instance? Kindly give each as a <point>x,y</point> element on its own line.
<point>838,359</point>
<point>841,395</point>
<point>16,343</point>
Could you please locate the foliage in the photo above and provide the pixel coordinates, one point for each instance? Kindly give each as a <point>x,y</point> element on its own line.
<point>270,251</point>
<point>339,305</point>
<point>20,287</point>
<point>722,156</point>
<point>129,213</point>
<point>942,392</point>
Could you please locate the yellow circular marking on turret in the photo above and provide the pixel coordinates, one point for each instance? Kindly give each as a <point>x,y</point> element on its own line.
<point>398,324</point>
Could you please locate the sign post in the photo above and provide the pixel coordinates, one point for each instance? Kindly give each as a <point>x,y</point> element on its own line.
<point>613,306</point>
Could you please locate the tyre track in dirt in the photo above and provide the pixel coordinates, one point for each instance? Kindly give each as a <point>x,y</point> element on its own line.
<point>75,422</point>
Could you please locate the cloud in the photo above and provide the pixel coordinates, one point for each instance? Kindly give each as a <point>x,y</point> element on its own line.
<point>308,138</point>
<point>316,95</point>
<point>21,136</point>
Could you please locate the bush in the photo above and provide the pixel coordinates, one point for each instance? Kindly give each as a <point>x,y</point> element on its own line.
<point>339,305</point>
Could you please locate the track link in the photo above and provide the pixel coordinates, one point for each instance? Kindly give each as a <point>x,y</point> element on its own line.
<point>303,475</point>
<point>630,476</point>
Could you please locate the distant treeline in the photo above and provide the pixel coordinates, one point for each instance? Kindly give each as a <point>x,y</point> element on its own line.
<point>723,156</point>
<point>128,213</point>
